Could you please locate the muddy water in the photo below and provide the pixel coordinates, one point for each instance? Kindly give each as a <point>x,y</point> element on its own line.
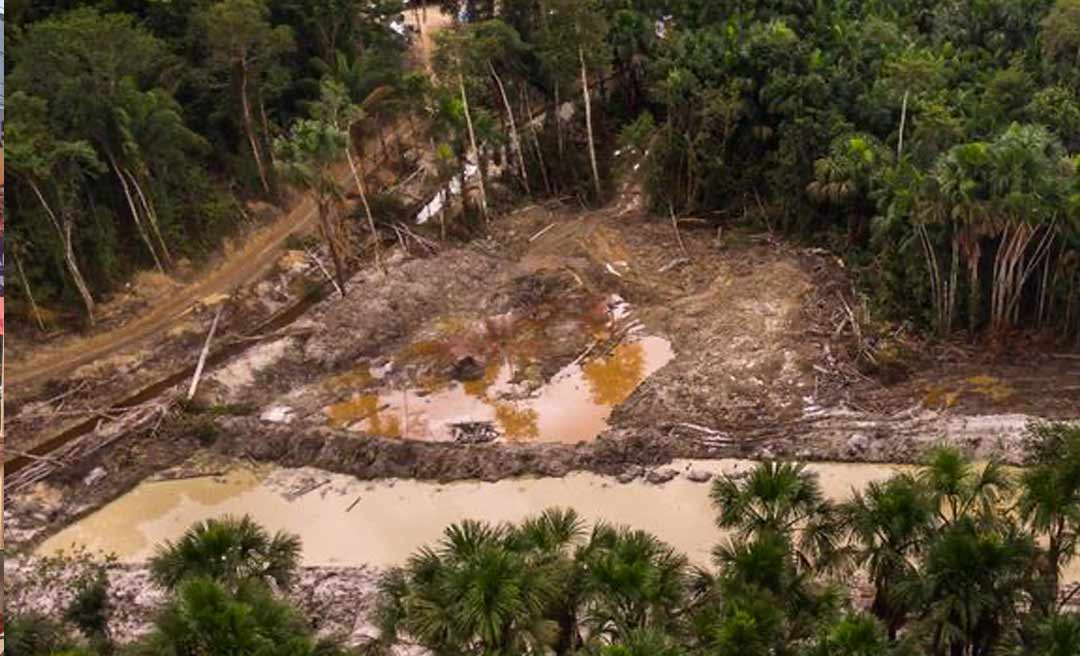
<point>343,521</point>
<point>390,519</point>
<point>573,406</point>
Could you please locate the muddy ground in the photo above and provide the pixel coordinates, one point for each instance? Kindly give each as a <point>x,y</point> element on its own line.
<point>771,357</point>
<point>767,362</point>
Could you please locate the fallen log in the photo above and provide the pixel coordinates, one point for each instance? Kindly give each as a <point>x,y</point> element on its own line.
<point>203,354</point>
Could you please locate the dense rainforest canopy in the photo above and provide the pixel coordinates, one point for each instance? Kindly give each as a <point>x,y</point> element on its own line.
<point>933,145</point>
<point>950,559</point>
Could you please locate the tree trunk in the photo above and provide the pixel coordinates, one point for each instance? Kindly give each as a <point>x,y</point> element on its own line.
<point>265,124</point>
<point>330,236</point>
<point>363,199</point>
<point>536,144</point>
<point>475,149</point>
<point>558,121</point>
<point>249,127</point>
<point>29,292</point>
<point>903,122</point>
<point>588,123</point>
<point>515,142</point>
<point>954,277</point>
<point>69,253</point>
<point>151,215</point>
<point>135,214</point>
<point>973,290</point>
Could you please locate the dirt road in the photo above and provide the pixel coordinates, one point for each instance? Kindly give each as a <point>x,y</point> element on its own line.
<point>239,268</point>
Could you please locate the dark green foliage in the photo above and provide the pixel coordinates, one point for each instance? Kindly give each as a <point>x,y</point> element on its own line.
<point>229,550</point>
<point>90,610</point>
<point>151,120</point>
<point>862,108</point>
<point>205,617</point>
<point>32,634</point>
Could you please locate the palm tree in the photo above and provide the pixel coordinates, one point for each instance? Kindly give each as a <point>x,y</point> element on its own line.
<point>306,158</point>
<point>972,587</point>
<point>335,108</point>
<point>1059,636</point>
<point>630,580</point>
<point>765,570</point>
<point>31,633</point>
<point>644,642</point>
<point>229,550</point>
<point>205,617</point>
<point>959,490</point>
<point>889,525</point>
<point>853,635</point>
<point>473,593</point>
<point>845,177</point>
<point>786,499</point>
<point>51,167</point>
<point>1050,499</point>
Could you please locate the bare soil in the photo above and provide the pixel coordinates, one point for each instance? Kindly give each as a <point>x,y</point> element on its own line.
<point>765,364</point>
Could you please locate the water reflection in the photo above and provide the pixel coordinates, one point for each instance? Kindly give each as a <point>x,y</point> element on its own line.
<point>611,379</point>
<point>573,406</point>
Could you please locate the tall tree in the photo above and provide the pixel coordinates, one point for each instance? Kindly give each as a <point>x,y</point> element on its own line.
<point>242,40</point>
<point>51,168</point>
<point>306,158</point>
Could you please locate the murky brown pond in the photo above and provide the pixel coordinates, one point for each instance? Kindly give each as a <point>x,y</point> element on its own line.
<point>573,406</point>
<point>343,521</point>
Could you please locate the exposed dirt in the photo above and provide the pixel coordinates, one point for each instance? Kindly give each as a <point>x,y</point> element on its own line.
<point>762,366</point>
<point>339,600</point>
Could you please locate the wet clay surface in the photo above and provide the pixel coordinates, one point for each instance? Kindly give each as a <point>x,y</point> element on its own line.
<point>762,364</point>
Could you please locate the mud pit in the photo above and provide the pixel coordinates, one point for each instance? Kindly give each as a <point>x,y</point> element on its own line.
<point>463,364</point>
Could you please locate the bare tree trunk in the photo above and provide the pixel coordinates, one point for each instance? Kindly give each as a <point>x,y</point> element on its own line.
<point>151,215</point>
<point>588,123</point>
<point>515,142</point>
<point>558,120</point>
<point>954,277</point>
<point>903,122</point>
<point>69,253</point>
<point>265,124</point>
<point>536,143</point>
<point>202,354</point>
<point>475,149</point>
<point>249,127</point>
<point>135,214</point>
<point>1023,272</point>
<point>360,186</point>
<point>973,292</point>
<point>936,287</point>
<point>330,236</point>
<point>29,293</point>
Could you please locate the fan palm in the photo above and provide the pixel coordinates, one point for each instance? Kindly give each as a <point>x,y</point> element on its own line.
<point>1059,636</point>
<point>645,642</point>
<point>785,499</point>
<point>1050,499</point>
<point>204,617</point>
<point>972,587</point>
<point>854,635</point>
<point>472,594</point>
<point>888,525</point>
<point>630,580</point>
<point>229,550</point>
<point>959,489</point>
